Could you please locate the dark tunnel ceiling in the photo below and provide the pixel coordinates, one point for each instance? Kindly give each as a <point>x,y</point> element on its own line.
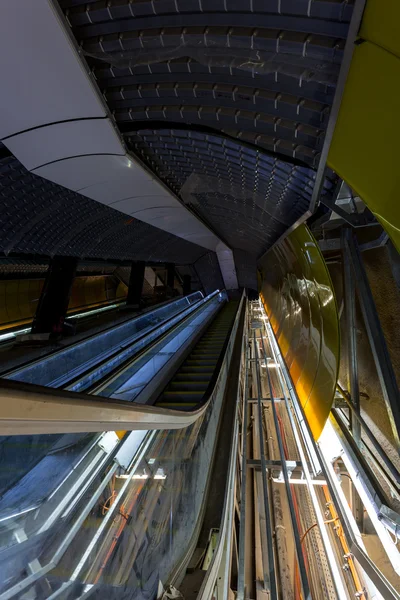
<point>193,84</point>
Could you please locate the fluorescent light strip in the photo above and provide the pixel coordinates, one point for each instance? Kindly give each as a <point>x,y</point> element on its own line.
<point>13,334</point>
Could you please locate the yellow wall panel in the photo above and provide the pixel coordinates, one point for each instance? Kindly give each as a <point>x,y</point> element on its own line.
<point>298,296</point>
<point>365,145</point>
<point>381,23</point>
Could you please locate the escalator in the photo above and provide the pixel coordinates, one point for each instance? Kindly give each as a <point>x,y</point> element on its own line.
<point>189,386</point>
<point>127,512</point>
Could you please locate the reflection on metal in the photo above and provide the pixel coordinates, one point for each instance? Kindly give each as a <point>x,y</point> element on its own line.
<point>376,338</point>
<point>297,293</point>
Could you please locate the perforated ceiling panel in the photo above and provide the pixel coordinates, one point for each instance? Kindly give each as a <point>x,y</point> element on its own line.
<point>226,73</point>
<point>247,196</point>
<point>40,217</point>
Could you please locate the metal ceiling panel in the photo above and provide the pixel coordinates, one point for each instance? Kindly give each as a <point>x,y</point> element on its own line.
<point>247,196</point>
<point>84,171</point>
<point>51,143</point>
<point>35,90</point>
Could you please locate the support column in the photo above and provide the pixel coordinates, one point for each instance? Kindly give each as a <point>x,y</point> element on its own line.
<point>136,281</point>
<point>187,285</point>
<point>53,303</point>
<point>349,294</point>
<point>170,277</point>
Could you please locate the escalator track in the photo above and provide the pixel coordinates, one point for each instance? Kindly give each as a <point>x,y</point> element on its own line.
<point>190,386</point>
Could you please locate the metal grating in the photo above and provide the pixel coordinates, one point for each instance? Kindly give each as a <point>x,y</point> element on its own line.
<point>38,217</point>
<point>247,196</point>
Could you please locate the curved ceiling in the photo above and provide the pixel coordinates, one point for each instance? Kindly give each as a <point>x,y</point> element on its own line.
<point>225,102</point>
<point>202,88</point>
<point>248,196</point>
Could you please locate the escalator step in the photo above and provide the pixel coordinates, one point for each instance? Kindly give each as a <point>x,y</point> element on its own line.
<point>206,362</point>
<point>194,377</point>
<point>214,354</point>
<point>186,390</point>
<point>183,386</point>
<point>185,396</point>
<point>197,369</point>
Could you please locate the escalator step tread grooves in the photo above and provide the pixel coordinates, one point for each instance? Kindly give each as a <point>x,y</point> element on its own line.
<point>187,388</point>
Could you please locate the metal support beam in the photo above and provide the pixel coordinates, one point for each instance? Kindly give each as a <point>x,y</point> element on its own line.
<point>170,277</point>
<point>353,219</point>
<point>187,284</point>
<point>136,281</point>
<point>377,341</point>
<point>270,558</point>
<point>394,473</point>
<point>349,292</point>
<point>354,26</point>
<point>53,303</point>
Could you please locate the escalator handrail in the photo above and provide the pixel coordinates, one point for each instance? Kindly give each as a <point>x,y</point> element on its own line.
<point>132,339</point>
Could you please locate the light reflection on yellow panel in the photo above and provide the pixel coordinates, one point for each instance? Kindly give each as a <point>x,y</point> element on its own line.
<point>313,318</point>
<point>295,280</point>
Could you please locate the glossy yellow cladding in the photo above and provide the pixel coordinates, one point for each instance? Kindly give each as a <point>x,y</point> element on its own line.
<point>297,293</point>
<point>365,145</point>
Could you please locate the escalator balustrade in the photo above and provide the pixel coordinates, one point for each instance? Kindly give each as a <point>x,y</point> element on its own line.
<point>187,389</point>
